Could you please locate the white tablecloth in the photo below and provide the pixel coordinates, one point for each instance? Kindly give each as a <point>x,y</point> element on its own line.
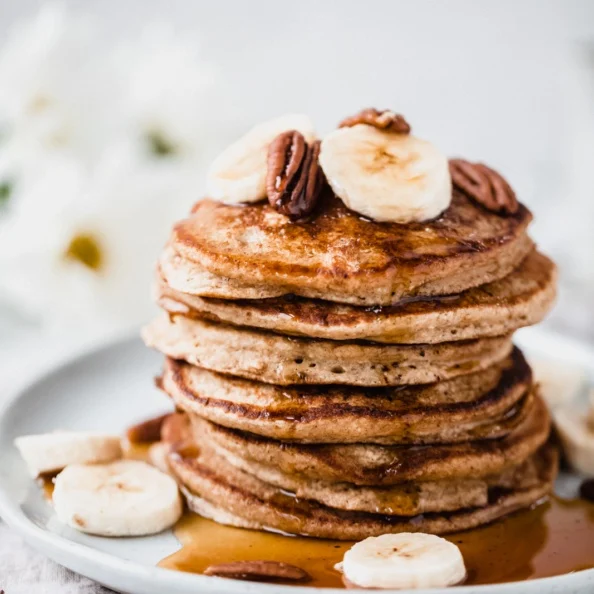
<point>23,570</point>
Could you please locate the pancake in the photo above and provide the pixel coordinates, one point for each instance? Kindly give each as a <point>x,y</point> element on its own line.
<point>258,504</point>
<point>366,464</point>
<point>405,499</point>
<point>339,256</point>
<point>282,360</point>
<point>520,299</point>
<point>484,405</point>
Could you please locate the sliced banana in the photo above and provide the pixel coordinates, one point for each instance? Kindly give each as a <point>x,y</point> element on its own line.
<point>386,176</point>
<point>238,174</point>
<point>49,453</point>
<point>560,383</point>
<point>577,437</point>
<point>158,454</point>
<point>405,560</point>
<point>123,498</point>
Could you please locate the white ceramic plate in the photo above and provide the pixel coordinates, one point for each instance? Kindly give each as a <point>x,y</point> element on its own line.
<point>112,387</point>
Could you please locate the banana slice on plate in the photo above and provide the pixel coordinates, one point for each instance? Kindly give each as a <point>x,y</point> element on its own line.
<point>238,174</point>
<point>576,433</point>
<point>560,383</point>
<point>386,176</point>
<point>49,453</point>
<point>123,498</point>
<point>405,560</point>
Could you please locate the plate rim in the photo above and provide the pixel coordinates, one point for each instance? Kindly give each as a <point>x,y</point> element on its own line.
<point>71,554</point>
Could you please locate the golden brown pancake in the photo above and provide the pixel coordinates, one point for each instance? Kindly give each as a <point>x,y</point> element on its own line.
<point>339,256</point>
<point>520,299</point>
<point>405,499</point>
<point>257,504</point>
<point>282,360</point>
<point>367,464</point>
<point>484,405</point>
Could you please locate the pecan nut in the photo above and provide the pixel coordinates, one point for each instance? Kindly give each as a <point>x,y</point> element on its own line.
<point>259,571</point>
<point>176,429</point>
<point>147,431</point>
<point>383,119</point>
<point>484,185</point>
<point>294,178</point>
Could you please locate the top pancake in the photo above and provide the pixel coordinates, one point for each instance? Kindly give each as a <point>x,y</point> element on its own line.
<point>342,257</point>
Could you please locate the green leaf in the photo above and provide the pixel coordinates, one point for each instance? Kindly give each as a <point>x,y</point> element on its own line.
<point>5,192</point>
<point>160,145</point>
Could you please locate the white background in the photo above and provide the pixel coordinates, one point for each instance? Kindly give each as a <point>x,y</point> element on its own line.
<point>508,82</point>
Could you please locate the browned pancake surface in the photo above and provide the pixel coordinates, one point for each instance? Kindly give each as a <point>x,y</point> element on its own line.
<point>342,257</point>
<point>482,405</point>
<point>283,360</point>
<point>254,502</point>
<point>367,464</point>
<point>520,299</point>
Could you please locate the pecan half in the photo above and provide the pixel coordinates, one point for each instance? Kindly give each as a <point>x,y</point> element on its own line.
<point>384,120</point>
<point>147,431</point>
<point>176,429</point>
<point>484,185</point>
<point>294,179</point>
<point>259,571</point>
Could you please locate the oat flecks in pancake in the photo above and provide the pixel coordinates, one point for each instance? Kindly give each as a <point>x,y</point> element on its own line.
<point>367,464</point>
<point>273,358</point>
<point>341,257</point>
<point>484,405</point>
<point>520,299</point>
<point>251,500</point>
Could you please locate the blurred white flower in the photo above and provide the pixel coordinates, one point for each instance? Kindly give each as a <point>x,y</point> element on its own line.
<point>102,145</point>
<point>175,115</point>
<point>51,81</point>
<point>78,252</point>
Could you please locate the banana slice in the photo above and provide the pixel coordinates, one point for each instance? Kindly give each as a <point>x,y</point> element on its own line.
<point>238,174</point>
<point>386,176</point>
<point>49,453</point>
<point>405,560</point>
<point>123,498</point>
<point>560,383</point>
<point>577,437</point>
<point>158,454</point>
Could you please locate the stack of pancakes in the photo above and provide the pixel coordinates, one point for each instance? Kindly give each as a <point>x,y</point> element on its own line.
<point>345,378</point>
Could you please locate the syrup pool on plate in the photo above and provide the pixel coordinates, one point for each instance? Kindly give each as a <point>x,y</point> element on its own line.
<point>553,538</point>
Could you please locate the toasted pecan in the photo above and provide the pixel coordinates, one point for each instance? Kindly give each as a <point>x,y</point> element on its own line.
<point>483,185</point>
<point>259,571</point>
<point>294,179</point>
<point>146,431</point>
<point>383,119</point>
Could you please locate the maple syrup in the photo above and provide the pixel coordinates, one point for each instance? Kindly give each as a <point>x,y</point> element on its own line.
<point>47,486</point>
<point>553,538</point>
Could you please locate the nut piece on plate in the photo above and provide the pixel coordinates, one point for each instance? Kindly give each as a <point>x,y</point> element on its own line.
<point>484,185</point>
<point>176,429</point>
<point>238,174</point>
<point>259,571</point>
<point>123,498</point>
<point>402,561</point>
<point>49,453</point>
<point>576,433</point>
<point>383,119</point>
<point>146,431</point>
<point>294,179</point>
<point>386,176</point>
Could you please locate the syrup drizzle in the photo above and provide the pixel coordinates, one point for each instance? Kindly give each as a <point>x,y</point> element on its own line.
<point>553,538</point>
